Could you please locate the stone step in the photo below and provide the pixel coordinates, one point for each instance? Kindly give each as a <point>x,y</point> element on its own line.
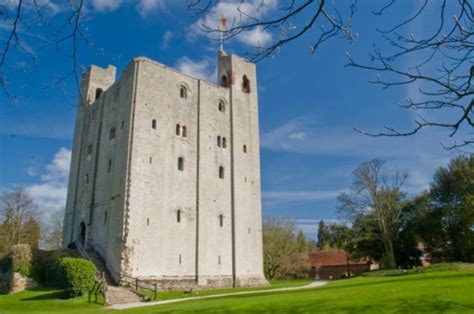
<point>117,295</point>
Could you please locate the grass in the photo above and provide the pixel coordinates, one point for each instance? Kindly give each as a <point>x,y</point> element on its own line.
<point>45,301</point>
<point>439,290</point>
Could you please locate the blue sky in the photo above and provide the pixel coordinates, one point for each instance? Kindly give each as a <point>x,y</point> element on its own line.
<point>309,104</point>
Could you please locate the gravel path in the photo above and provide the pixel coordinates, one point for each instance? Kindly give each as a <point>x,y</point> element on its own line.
<point>314,284</point>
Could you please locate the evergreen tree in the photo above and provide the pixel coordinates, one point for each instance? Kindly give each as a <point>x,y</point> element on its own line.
<point>324,236</point>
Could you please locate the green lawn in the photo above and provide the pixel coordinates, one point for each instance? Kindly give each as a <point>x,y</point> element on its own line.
<point>441,291</point>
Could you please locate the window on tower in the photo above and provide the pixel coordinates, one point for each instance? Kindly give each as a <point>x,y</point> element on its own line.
<point>183,92</point>
<point>109,166</point>
<point>221,106</point>
<point>245,84</point>
<point>178,129</point>
<point>221,220</point>
<point>245,148</point>
<point>98,92</point>
<point>221,172</point>
<point>153,123</point>
<point>181,163</point>
<point>112,133</point>
<point>224,82</point>
<point>218,141</point>
<point>183,133</point>
<point>224,142</point>
<point>178,215</point>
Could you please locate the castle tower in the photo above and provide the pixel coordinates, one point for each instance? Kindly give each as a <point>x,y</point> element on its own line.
<point>165,175</point>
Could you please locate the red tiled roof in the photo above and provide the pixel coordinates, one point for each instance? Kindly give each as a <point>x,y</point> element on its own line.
<point>332,258</point>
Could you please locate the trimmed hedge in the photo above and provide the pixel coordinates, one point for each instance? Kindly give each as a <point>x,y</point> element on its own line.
<point>79,274</point>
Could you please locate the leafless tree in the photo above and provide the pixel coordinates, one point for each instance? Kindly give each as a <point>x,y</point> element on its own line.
<point>53,231</point>
<point>443,73</point>
<point>28,28</point>
<point>322,20</point>
<point>376,192</point>
<point>442,76</point>
<point>17,209</point>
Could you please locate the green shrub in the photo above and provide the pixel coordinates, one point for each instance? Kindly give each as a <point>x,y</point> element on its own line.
<point>79,274</point>
<point>22,259</point>
<point>47,267</point>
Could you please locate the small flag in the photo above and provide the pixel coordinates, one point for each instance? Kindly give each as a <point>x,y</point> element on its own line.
<point>223,24</point>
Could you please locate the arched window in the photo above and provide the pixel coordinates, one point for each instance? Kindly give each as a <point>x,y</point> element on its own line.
<point>178,129</point>
<point>218,141</point>
<point>245,84</point>
<point>178,215</point>
<point>221,172</point>
<point>221,106</point>
<point>183,92</point>
<point>98,92</point>
<point>181,163</point>
<point>183,133</point>
<point>224,82</point>
<point>153,123</point>
<point>245,148</point>
<point>224,142</point>
<point>221,220</point>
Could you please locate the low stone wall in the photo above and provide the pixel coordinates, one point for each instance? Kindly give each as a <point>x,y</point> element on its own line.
<point>15,282</point>
<point>204,283</point>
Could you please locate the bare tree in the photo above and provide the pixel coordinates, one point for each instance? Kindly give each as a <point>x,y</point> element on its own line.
<point>17,210</point>
<point>442,76</point>
<point>33,26</point>
<point>53,234</point>
<point>293,19</point>
<point>443,73</point>
<point>376,192</point>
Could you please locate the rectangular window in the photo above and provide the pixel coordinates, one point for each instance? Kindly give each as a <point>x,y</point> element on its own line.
<point>112,133</point>
<point>89,149</point>
<point>109,166</point>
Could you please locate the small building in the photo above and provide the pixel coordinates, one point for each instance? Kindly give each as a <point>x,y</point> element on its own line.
<point>334,264</point>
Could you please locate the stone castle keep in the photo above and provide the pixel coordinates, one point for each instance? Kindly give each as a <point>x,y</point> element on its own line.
<point>165,175</point>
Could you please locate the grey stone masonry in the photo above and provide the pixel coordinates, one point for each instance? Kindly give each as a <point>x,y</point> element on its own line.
<point>165,175</point>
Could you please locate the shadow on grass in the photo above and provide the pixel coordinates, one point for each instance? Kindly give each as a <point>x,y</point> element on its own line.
<point>51,295</point>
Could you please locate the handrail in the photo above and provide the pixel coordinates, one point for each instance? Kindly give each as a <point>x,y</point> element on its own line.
<point>120,276</point>
<point>100,277</point>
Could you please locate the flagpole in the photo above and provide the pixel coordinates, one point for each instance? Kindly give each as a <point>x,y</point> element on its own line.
<point>222,46</point>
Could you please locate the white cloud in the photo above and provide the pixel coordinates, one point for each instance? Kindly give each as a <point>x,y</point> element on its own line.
<point>106,5</point>
<point>419,155</point>
<point>257,37</point>
<point>50,194</point>
<point>167,36</point>
<point>288,196</point>
<point>145,7</point>
<point>199,69</point>
<point>58,169</point>
<point>237,13</point>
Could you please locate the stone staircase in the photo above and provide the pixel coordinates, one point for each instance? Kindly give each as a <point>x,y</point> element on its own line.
<point>115,294</point>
